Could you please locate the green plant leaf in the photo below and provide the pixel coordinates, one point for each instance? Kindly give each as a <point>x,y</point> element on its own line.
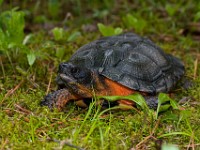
<point>197,16</point>
<point>174,133</point>
<point>164,107</point>
<point>118,31</point>
<point>174,104</point>
<point>21,71</point>
<point>171,10</point>
<point>27,39</point>
<point>129,20</point>
<point>108,30</point>
<point>73,36</point>
<point>3,40</point>
<point>100,13</point>
<point>137,98</point>
<point>162,99</point>
<point>170,115</point>
<point>184,114</point>
<point>105,30</point>
<point>60,52</point>
<point>134,22</point>
<point>169,147</point>
<point>12,24</point>
<point>31,58</point>
<point>54,8</point>
<point>58,33</point>
<point>1,1</point>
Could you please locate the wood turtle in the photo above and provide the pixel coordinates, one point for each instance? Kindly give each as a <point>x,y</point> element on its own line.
<point>115,65</point>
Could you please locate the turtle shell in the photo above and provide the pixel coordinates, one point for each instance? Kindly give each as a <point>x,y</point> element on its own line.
<point>132,61</point>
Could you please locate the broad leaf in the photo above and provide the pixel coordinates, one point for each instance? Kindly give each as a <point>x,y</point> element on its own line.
<point>31,58</point>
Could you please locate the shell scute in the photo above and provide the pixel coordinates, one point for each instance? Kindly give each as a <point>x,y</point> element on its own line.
<point>132,61</point>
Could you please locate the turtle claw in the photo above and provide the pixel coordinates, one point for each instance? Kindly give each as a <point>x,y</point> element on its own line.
<point>49,100</point>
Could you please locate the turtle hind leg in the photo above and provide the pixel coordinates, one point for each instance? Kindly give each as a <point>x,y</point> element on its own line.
<point>152,101</point>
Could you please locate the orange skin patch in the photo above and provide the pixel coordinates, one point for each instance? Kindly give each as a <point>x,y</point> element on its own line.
<point>117,89</point>
<point>63,98</point>
<point>120,90</point>
<point>107,87</point>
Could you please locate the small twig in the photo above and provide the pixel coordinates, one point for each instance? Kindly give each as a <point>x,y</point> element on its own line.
<point>3,144</point>
<point>11,91</point>
<point>145,140</point>
<point>195,68</point>
<point>22,109</point>
<point>188,146</point>
<point>156,126</point>
<point>66,142</point>
<point>191,143</point>
<point>150,136</point>
<point>49,84</point>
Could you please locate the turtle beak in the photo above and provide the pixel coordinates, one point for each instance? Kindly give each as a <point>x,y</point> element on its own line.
<point>62,80</point>
<point>65,78</point>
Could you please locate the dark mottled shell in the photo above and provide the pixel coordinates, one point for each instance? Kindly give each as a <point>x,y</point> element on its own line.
<point>131,60</point>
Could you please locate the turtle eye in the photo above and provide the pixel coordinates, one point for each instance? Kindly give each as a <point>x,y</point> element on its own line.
<point>77,73</point>
<point>74,70</point>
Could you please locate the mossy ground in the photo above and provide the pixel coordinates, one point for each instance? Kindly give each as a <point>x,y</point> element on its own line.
<point>24,124</point>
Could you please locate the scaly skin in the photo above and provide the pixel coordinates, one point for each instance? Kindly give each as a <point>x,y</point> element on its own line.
<point>61,97</point>
<point>58,99</point>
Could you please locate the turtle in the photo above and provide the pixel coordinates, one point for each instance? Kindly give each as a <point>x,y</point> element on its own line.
<point>115,65</point>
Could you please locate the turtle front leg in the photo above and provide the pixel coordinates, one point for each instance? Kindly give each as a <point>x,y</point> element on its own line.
<point>58,99</point>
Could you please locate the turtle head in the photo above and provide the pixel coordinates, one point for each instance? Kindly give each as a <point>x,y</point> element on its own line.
<point>70,74</point>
